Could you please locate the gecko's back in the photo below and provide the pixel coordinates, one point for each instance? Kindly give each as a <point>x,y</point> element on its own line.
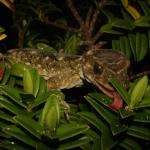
<point>96,66</point>
<point>61,71</point>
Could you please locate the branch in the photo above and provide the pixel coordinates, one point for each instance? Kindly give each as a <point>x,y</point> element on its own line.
<point>48,22</point>
<point>86,26</point>
<point>21,31</point>
<point>133,77</point>
<point>87,43</point>
<point>97,36</point>
<point>98,45</point>
<point>88,17</point>
<point>95,15</point>
<point>76,14</point>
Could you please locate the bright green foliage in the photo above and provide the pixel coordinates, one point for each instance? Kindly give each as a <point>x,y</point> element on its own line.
<point>39,119</point>
<point>138,91</point>
<point>129,37</point>
<point>30,114</point>
<point>32,117</point>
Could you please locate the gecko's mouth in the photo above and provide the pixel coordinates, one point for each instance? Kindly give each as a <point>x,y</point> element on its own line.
<point>108,90</point>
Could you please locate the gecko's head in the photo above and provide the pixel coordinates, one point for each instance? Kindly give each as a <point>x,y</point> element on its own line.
<point>102,65</point>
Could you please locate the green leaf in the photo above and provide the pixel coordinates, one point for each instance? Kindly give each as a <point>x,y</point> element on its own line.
<point>36,82</point>
<point>122,24</point>
<point>104,112</point>
<point>8,105</point>
<point>30,125</point>
<point>3,124</point>
<point>5,76</point>
<point>82,107</point>
<point>52,118</point>
<point>40,99</point>
<point>105,100</point>
<point>144,47</point>
<point>61,21</point>
<point>115,44</point>
<point>143,21</point>
<point>42,86</point>
<point>45,47</point>
<point>139,132</point>
<point>96,144</point>
<point>131,86</point>
<point>19,82</point>
<point>6,116</point>
<point>117,127</point>
<point>127,17</point>
<point>122,44</point>
<point>28,81</point>
<point>125,113</point>
<point>19,134</point>
<point>51,112</point>
<point>27,100</point>
<point>18,69</point>
<point>111,3</point>
<point>148,1</point>
<point>42,146</point>
<point>138,91</point>
<point>107,140</point>
<point>145,102</point>
<point>13,94</point>
<point>121,90</point>
<point>142,116</point>
<point>138,45</point>
<point>93,119</point>
<point>2,68</point>
<point>2,29</point>
<point>5,144</point>
<point>145,7</point>
<point>11,81</point>
<point>125,46</point>
<point>109,15</point>
<point>132,41</point>
<point>107,28</point>
<point>147,92</point>
<point>148,34</point>
<point>71,44</point>
<point>69,130</point>
<point>96,138</point>
<point>74,144</point>
<point>130,144</point>
<point>86,146</point>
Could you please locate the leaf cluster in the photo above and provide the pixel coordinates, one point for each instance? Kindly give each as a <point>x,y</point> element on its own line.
<point>31,116</point>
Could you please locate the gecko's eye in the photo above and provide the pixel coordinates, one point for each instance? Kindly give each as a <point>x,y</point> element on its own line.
<point>98,69</point>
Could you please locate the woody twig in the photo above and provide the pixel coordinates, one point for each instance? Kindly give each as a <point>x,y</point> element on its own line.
<point>71,29</point>
<point>76,14</point>
<point>87,25</point>
<point>133,77</point>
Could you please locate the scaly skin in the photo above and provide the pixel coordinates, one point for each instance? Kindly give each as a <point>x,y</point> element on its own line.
<point>63,71</point>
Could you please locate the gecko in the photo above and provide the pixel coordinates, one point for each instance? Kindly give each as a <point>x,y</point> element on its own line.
<point>96,66</point>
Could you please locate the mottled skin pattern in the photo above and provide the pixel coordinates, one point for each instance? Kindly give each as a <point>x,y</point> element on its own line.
<point>61,71</point>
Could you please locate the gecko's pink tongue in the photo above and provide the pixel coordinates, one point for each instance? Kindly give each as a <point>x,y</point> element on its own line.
<point>109,91</point>
<point>117,102</point>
